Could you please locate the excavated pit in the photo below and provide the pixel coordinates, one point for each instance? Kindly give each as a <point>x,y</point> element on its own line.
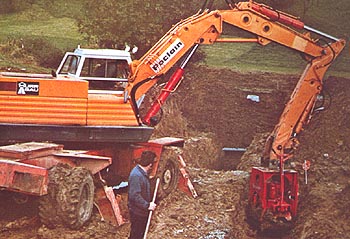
<point>211,111</point>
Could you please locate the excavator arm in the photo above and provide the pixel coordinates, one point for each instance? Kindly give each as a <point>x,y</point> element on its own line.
<point>298,110</point>
<point>273,190</point>
<point>205,28</point>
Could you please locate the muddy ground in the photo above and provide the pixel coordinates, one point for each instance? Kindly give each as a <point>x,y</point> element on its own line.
<point>211,111</point>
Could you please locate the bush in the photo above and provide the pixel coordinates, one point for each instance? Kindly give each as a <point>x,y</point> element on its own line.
<point>43,51</point>
<point>40,51</point>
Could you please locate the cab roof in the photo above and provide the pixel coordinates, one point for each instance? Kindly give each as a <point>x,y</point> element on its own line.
<point>101,52</point>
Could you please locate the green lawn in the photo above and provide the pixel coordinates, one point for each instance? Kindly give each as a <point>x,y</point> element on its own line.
<point>57,25</point>
<point>61,32</point>
<point>273,58</point>
<point>330,17</point>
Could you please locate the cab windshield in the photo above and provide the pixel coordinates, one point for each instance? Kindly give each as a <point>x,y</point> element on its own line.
<point>105,74</point>
<point>70,65</point>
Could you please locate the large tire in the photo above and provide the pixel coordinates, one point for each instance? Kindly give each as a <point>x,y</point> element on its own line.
<point>48,210</point>
<point>168,173</point>
<point>76,198</point>
<point>70,197</point>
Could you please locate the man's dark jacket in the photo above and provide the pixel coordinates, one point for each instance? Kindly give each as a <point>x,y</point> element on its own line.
<point>139,195</point>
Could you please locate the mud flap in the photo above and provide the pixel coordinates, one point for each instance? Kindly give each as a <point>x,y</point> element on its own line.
<point>185,183</point>
<point>108,206</point>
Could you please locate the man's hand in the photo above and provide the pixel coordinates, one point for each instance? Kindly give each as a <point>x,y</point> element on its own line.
<point>152,206</point>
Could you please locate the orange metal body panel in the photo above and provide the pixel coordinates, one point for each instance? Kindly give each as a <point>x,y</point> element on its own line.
<point>58,101</point>
<point>61,88</point>
<point>61,101</point>
<point>42,110</point>
<point>109,110</point>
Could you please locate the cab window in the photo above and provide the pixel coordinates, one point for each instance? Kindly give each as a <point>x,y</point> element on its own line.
<point>70,65</point>
<point>105,74</point>
<point>105,68</point>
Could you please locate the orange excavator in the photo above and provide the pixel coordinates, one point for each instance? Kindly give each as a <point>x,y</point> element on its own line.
<point>91,107</point>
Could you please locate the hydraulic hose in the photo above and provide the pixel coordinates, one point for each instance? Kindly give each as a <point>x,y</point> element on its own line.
<point>133,98</point>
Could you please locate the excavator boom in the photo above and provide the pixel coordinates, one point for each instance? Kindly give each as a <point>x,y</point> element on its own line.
<point>272,188</point>
<point>206,28</point>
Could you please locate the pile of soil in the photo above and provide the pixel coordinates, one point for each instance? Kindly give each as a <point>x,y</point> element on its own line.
<point>212,110</point>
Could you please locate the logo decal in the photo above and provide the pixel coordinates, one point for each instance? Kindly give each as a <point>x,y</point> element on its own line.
<point>27,88</point>
<point>168,54</point>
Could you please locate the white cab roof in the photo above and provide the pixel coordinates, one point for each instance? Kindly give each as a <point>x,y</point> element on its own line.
<point>102,52</point>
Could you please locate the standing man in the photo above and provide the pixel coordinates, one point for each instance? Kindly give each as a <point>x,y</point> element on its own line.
<point>139,195</point>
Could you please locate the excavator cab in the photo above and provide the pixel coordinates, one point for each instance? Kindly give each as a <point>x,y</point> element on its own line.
<point>104,69</point>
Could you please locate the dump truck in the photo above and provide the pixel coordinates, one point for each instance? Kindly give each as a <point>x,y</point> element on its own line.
<point>85,129</point>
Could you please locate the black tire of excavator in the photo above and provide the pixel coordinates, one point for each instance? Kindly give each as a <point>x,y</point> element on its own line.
<point>70,197</point>
<point>76,198</point>
<point>168,173</point>
<point>48,212</point>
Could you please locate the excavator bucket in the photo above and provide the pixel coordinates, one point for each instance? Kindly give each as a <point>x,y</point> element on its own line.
<point>274,193</point>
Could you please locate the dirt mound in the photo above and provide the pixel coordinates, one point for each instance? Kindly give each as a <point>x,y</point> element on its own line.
<point>326,144</point>
<point>213,214</point>
<point>216,102</point>
<point>211,110</point>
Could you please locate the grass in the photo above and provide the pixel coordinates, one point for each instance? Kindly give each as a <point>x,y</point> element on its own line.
<point>57,25</point>
<point>250,57</point>
<point>37,23</point>
<point>62,32</point>
<point>330,17</point>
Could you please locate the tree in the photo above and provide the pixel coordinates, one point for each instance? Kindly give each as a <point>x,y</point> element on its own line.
<point>113,23</point>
